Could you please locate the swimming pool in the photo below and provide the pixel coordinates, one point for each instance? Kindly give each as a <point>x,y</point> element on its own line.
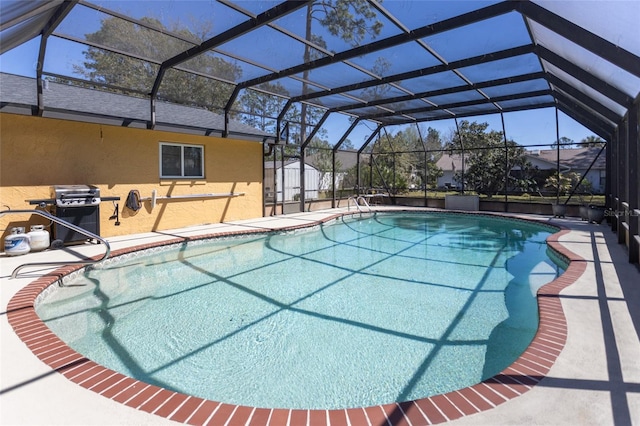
<point>426,305</point>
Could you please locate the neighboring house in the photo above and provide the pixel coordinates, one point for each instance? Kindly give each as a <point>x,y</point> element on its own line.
<point>449,164</point>
<point>575,160</point>
<point>291,181</point>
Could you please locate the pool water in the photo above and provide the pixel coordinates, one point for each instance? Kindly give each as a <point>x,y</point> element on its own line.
<point>353,313</point>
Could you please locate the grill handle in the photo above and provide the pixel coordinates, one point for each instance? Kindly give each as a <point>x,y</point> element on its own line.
<point>84,195</point>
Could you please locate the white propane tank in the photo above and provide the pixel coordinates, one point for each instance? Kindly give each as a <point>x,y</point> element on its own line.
<point>38,238</point>
<point>17,243</point>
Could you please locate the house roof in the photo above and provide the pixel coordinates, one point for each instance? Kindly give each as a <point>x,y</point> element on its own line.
<point>450,162</point>
<point>268,164</point>
<point>67,101</point>
<point>575,158</point>
<point>412,61</point>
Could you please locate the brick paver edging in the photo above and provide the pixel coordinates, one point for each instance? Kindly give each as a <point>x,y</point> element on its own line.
<point>531,367</point>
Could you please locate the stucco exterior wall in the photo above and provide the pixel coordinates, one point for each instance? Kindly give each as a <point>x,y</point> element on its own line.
<point>36,153</point>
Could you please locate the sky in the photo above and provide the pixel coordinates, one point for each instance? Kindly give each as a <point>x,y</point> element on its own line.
<point>527,128</point>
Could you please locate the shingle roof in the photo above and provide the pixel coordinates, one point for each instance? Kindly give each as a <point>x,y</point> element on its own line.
<point>575,158</point>
<point>69,99</point>
<point>450,162</point>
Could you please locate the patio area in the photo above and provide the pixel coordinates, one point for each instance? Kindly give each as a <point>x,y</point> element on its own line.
<point>594,381</point>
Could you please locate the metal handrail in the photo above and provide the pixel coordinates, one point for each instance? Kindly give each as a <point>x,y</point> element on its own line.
<point>349,200</point>
<point>356,201</point>
<point>68,225</point>
<point>364,200</point>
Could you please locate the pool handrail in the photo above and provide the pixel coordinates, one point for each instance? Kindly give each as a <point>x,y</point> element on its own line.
<point>356,201</point>
<point>71,226</point>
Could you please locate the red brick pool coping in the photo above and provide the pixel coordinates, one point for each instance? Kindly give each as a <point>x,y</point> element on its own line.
<point>521,376</point>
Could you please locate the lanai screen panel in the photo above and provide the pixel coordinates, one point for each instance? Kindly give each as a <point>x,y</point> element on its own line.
<point>614,21</point>
<point>515,88</point>
<point>503,68</point>
<point>335,75</point>
<point>21,21</point>
<point>391,61</point>
<point>587,60</point>
<point>397,59</point>
<point>476,39</point>
<point>339,101</point>
<point>428,83</point>
<point>147,38</point>
<point>416,14</point>
<point>592,93</point>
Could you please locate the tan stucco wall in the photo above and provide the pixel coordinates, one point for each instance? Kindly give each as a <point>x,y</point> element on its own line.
<point>36,153</point>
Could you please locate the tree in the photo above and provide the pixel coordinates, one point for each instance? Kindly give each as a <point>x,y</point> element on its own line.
<point>380,67</point>
<point>423,155</point>
<point>322,153</point>
<point>592,141</point>
<point>118,70</point>
<point>404,160</point>
<point>565,143</point>
<point>565,182</point>
<point>347,145</point>
<point>400,161</point>
<point>486,163</point>
<point>261,108</point>
<point>350,20</point>
<point>433,145</point>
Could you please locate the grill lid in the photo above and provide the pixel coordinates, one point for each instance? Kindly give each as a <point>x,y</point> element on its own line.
<point>75,195</point>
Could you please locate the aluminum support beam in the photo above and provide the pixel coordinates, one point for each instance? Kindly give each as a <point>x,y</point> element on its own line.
<point>61,12</point>
<point>633,179</point>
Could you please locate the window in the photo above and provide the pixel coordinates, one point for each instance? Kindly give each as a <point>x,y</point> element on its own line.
<point>181,161</point>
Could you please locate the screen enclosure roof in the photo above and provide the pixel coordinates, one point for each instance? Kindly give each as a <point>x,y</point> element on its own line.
<point>386,62</point>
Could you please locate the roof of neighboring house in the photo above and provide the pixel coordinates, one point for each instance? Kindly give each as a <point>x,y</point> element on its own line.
<point>19,94</point>
<point>575,159</point>
<point>450,162</point>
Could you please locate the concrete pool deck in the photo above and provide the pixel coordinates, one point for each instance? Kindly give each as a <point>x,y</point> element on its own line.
<point>595,379</point>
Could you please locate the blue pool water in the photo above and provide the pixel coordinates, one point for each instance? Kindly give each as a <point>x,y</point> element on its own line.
<point>353,313</point>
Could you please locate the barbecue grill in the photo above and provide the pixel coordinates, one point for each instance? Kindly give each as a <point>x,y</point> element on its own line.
<point>79,205</point>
